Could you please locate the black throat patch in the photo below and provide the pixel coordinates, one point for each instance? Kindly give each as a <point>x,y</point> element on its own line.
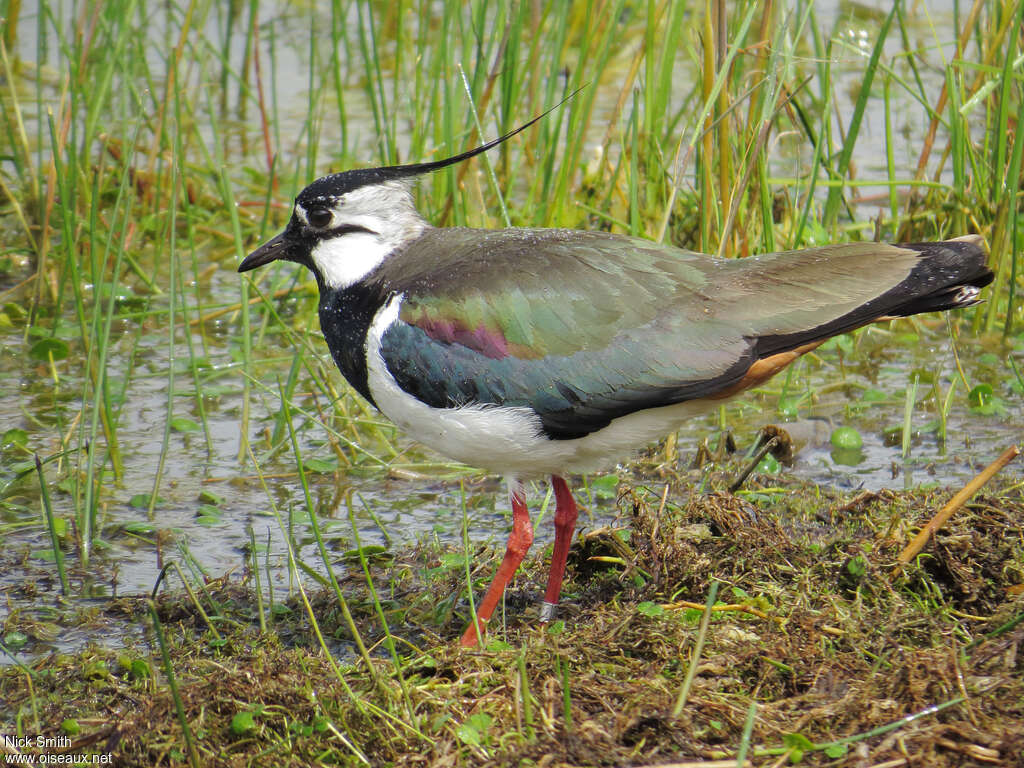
<point>345,318</point>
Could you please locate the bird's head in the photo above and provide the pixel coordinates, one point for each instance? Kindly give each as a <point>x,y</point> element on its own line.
<point>344,225</point>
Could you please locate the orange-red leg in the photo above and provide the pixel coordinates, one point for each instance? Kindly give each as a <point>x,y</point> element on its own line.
<point>519,542</point>
<point>565,526</point>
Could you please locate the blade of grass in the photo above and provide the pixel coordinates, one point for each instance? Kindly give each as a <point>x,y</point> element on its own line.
<point>322,549</point>
<point>870,734</point>
<point>256,578</point>
<point>58,553</point>
<point>563,672</point>
<point>908,413</point>
<point>698,648</point>
<point>748,730</point>
<point>467,563</point>
<point>525,698</point>
<point>165,442</point>
<point>172,683</point>
<point>835,193</point>
<point>389,639</point>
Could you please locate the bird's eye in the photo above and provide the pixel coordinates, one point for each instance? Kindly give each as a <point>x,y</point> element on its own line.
<point>319,217</point>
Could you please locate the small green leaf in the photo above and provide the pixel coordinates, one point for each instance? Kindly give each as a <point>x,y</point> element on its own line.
<point>924,375</point>
<point>96,670</point>
<point>980,395</point>
<point>797,740</point>
<point>15,640</point>
<point>474,731</point>
<point>857,567</point>
<point>453,560</point>
<point>983,400</point>
<point>372,553</point>
<point>23,467</point>
<point>181,424</point>
<point>797,744</point>
<point>769,465</point>
<point>648,608</point>
<point>140,669</point>
<point>242,723</point>
<point>693,615</point>
<point>789,408</point>
<point>556,627</point>
<point>846,438</point>
<point>209,497</point>
<point>835,751</point>
<point>15,311</point>
<point>70,726</point>
<point>14,437</point>
<point>605,487</point>
<point>139,528</point>
<point>875,396</point>
<point>141,500</point>
<point>321,466</point>
<point>47,349</point>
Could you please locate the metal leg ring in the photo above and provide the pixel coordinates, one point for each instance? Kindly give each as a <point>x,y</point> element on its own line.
<point>548,611</point>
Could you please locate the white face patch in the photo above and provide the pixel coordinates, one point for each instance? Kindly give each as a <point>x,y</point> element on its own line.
<point>345,260</point>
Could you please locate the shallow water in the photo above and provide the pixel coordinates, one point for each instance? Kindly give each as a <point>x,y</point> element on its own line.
<point>416,496</point>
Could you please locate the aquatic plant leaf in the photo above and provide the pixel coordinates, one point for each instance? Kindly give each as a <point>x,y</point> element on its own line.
<point>14,437</point>
<point>49,349</point>
<point>846,437</point>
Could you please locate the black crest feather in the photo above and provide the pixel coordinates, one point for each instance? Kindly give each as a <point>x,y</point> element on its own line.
<point>336,184</point>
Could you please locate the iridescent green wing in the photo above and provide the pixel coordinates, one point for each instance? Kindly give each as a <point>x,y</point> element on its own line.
<point>584,327</point>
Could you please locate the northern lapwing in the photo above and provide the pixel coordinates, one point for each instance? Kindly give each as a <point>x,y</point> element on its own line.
<point>549,352</point>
